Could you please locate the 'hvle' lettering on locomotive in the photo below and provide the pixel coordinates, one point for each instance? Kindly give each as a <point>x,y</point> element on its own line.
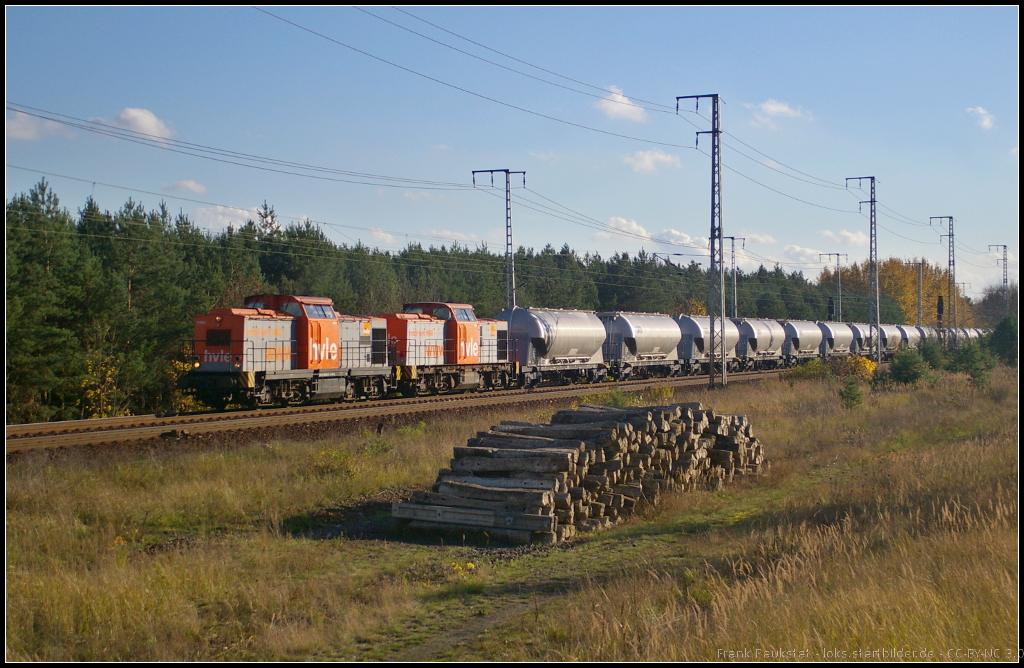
<point>323,351</point>
<point>216,357</point>
<point>469,348</point>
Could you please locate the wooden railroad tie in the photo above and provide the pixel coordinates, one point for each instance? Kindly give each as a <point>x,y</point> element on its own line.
<point>587,470</point>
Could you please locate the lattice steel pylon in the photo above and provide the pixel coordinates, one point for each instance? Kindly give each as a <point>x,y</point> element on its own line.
<point>874,315</point>
<point>920,291</point>
<point>510,255</point>
<point>735,294</point>
<point>839,283</point>
<point>951,276</point>
<point>1006,284</point>
<point>716,273</point>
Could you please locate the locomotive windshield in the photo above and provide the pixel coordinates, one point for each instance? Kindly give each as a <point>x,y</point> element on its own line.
<point>319,311</point>
<point>465,315</point>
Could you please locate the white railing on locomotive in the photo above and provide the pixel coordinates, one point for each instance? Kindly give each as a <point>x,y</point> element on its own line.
<point>420,352</point>
<point>360,354</point>
<point>435,351</point>
<point>280,355</point>
<point>493,350</point>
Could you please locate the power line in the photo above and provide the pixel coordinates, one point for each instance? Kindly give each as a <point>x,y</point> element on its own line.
<point>824,182</point>
<point>198,150</point>
<point>466,90</point>
<point>282,242</point>
<point>537,67</point>
<point>758,162</point>
<point>586,221</point>
<point>916,241</point>
<point>399,259</point>
<point>491,62</point>
<point>604,227</point>
<point>779,192</point>
<point>249,211</point>
<point>906,219</point>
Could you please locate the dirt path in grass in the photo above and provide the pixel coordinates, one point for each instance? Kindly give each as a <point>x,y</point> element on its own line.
<point>444,643</point>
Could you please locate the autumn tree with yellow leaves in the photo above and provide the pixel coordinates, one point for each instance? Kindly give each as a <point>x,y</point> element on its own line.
<point>898,280</point>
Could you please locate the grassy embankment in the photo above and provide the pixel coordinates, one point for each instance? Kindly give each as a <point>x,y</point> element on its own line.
<point>891,525</point>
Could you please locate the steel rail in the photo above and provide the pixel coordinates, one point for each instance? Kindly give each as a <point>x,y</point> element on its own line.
<point>74,433</point>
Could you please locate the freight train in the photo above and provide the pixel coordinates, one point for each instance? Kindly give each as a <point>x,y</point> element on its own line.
<point>291,349</point>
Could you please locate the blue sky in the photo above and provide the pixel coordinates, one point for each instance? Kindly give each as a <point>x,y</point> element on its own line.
<point>926,100</point>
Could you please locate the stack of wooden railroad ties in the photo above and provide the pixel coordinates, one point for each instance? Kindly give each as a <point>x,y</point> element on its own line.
<point>587,470</point>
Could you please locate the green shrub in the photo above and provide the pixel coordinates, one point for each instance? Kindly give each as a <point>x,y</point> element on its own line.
<point>908,367</point>
<point>931,351</point>
<point>617,397</point>
<point>882,380</point>
<point>815,369</point>
<point>1003,340</point>
<point>972,359</point>
<point>851,394</point>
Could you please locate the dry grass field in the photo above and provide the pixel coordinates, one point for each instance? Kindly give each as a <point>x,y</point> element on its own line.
<point>889,527</point>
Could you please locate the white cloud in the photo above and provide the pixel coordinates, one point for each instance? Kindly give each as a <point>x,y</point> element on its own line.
<point>30,128</point>
<point>985,119</point>
<point>381,235</point>
<point>631,227</point>
<point>801,254</point>
<point>667,237</point>
<point>550,157</point>
<point>700,244</point>
<point>766,113</point>
<point>218,218</point>
<point>449,234</point>
<point>189,185</point>
<point>424,196</point>
<point>142,121</point>
<point>617,106</point>
<point>755,238</point>
<point>857,238</point>
<point>647,162</point>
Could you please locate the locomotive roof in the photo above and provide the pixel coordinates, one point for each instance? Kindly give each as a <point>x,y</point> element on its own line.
<point>451,304</point>
<point>302,299</point>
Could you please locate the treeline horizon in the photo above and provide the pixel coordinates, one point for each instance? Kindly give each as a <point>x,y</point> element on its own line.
<point>100,303</point>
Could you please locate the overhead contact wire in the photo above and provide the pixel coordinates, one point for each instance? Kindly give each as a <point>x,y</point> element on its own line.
<point>465,90</point>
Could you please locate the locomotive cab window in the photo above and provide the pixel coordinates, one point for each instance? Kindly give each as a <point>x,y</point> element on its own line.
<point>291,308</point>
<point>442,313</point>
<point>465,315</point>
<point>218,337</point>
<point>414,309</point>
<point>319,311</point>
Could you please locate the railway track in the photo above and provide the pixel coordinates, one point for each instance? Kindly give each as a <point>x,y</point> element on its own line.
<point>72,433</point>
